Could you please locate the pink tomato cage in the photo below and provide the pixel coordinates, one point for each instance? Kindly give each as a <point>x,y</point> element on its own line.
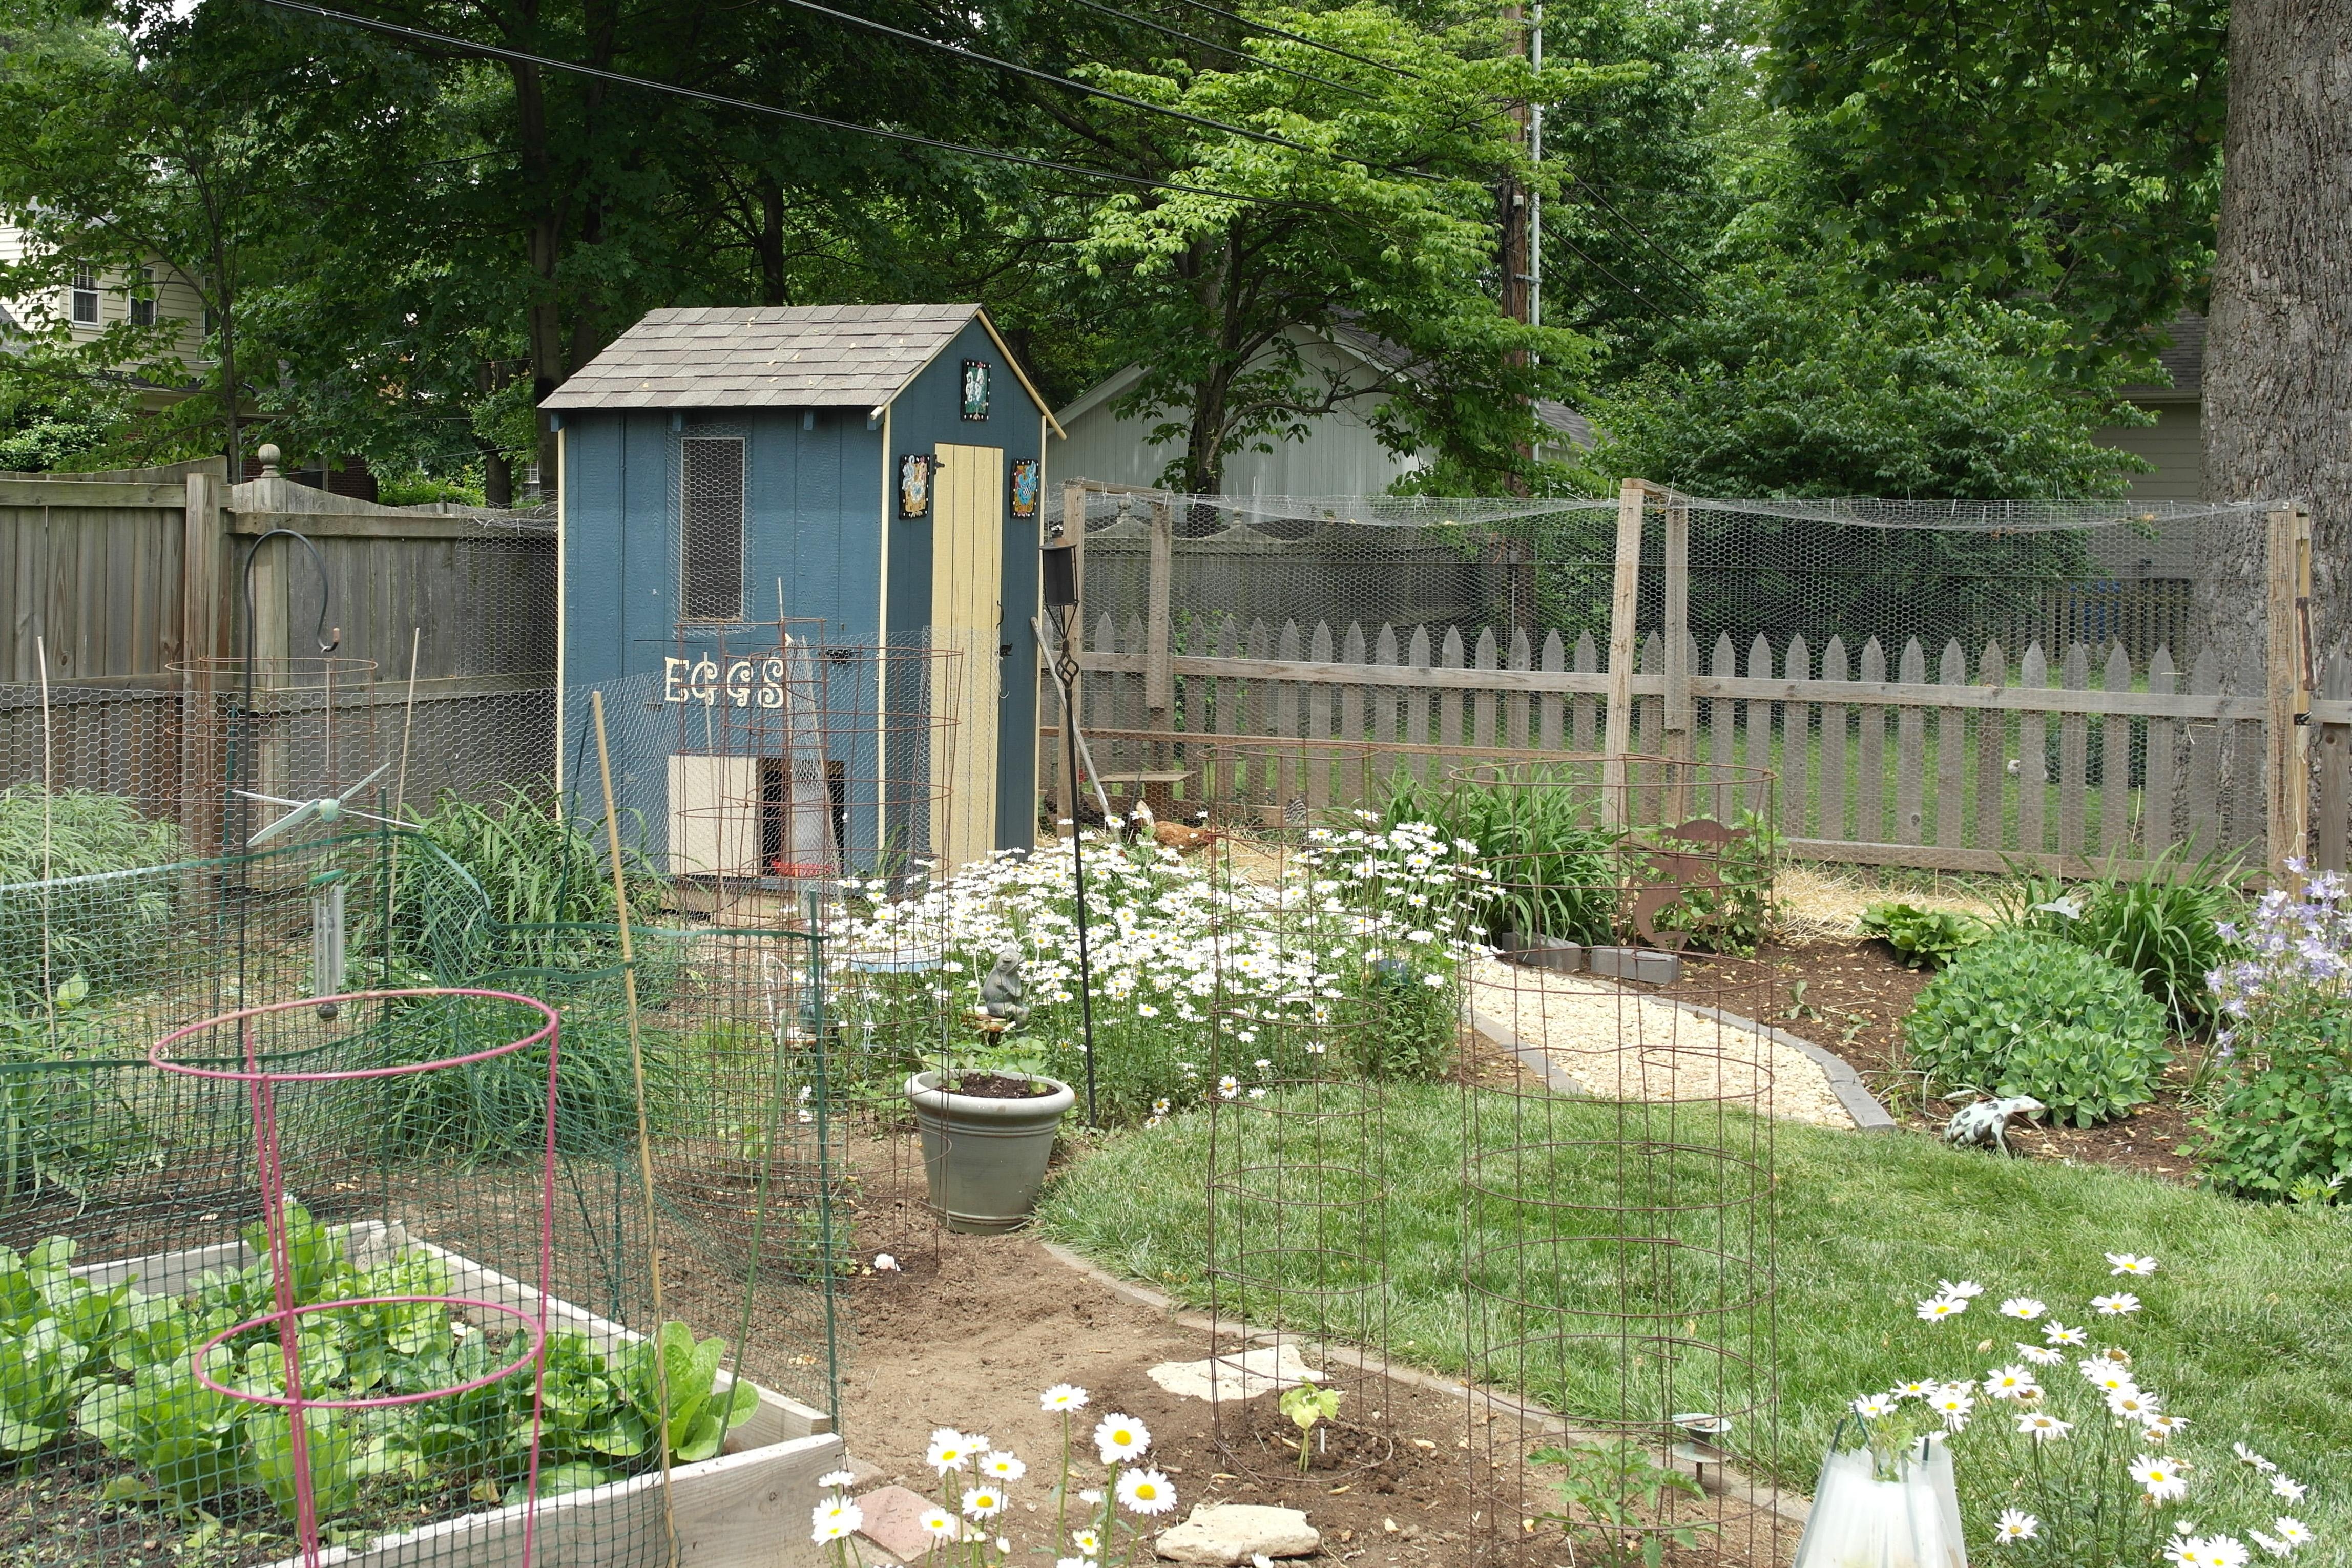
<point>205,1054</point>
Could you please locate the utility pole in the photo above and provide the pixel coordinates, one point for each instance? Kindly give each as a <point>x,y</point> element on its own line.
<point>1535,196</point>
<point>1516,210</point>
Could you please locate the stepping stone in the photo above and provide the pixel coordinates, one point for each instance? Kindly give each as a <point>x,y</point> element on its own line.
<point>894,1522</point>
<point>1245,1375</point>
<point>1234,1533</point>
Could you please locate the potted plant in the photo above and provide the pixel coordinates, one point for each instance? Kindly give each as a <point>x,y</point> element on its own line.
<point>988,1132</point>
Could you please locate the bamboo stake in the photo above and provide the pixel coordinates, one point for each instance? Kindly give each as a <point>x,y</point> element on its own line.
<point>408,718</point>
<point>48,794</point>
<point>644,1137</point>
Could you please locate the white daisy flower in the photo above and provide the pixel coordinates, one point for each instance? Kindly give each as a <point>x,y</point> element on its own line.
<point>2125,1263</point>
<point>2294,1531</point>
<point>2025,1307</point>
<point>2016,1524</point>
<point>2272,1544</point>
<point>1146,1493</point>
<point>2161,1478</point>
<point>1120,1438</point>
<point>937,1521</point>
<point>1001,1463</point>
<point>2107,1376</point>
<point>983,1502</point>
<point>2042,1355</point>
<point>2122,1303</point>
<point>1091,1497</point>
<point>2180,1552</point>
<point>2220,1551</point>
<point>1074,1562</point>
<point>1063,1396</point>
<point>2007,1383</point>
<point>2132,1404</point>
<point>1953,1408</point>
<point>1871,1407</point>
<point>2057,1333</point>
<point>834,1519</point>
<point>2248,1456</point>
<point>1917,1389</point>
<point>1935,1309</point>
<point>2042,1427</point>
<point>1088,1543</point>
<point>836,1481</point>
<point>2291,1490</point>
<point>1964,1290</point>
<point>950,1451</point>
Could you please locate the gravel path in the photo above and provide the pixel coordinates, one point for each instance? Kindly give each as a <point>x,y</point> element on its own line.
<point>1620,1044</point>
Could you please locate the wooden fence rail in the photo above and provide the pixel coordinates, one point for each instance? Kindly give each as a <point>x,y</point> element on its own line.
<point>2068,761</point>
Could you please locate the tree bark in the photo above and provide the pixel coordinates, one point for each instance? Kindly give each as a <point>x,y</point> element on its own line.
<point>2277,421</point>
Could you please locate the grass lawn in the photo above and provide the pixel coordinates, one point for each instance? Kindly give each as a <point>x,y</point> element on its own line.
<point>2247,1328</point>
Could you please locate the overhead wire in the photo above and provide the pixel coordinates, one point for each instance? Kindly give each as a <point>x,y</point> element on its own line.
<point>1639,234</point>
<point>1221,48</point>
<point>907,138</point>
<point>1269,28</point>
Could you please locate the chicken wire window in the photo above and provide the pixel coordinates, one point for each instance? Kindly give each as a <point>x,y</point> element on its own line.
<point>710,510</point>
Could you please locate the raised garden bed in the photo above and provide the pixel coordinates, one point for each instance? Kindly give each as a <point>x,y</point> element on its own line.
<point>750,1503</point>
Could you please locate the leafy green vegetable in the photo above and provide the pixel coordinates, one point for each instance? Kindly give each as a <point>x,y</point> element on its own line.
<point>698,1419</point>
<point>177,1431</point>
<point>1922,936</point>
<point>2164,926</point>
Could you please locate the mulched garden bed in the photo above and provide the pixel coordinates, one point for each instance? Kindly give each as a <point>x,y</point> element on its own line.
<point>1848,997</point>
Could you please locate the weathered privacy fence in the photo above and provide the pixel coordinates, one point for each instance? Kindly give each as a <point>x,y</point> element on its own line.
<point>1945,756</point>
<point>124,585</point>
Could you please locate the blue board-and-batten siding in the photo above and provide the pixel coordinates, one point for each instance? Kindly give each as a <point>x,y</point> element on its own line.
<point>820,508</point>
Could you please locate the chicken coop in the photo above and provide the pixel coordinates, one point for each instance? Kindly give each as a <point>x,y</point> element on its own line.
<point>799,556</point>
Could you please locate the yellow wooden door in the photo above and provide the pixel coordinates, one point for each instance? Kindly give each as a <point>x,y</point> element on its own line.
<point>967,615</point>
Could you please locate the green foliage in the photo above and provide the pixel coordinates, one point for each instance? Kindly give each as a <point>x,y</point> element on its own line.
<point>2164,926</point>
<point>1303,1407</point>
<point>2025,1013</point>
<point>541,880</point>
<point>1611,1494</point>
<point>61,1124</point>
<point>2283,1125</point>
<point>1395,1025</point>
<point>2061,155</point>
<point>47,430</point>
<point>1736,913</point>
<point>1538,833</point>
<point>113,1363</point>
<point>1802,379</point>
<point>1921,935</point>
<point>105,929</point>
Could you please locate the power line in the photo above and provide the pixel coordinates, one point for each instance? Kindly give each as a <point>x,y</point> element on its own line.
<point>907,138</point>
<point>1222,49</point>
<point>1640,299</point>
<point>1644,238</point>
<point>1302,39</point>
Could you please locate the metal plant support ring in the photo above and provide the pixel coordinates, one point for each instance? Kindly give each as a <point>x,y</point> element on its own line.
<point>262,1083</point>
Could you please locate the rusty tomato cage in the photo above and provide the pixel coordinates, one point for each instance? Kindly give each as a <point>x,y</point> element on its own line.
<point>336,1300</point>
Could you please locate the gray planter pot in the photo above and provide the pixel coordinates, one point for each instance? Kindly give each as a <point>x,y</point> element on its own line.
<point>985,1159</point>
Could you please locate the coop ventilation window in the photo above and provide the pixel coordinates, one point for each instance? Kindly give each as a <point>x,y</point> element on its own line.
<point>710,478</point>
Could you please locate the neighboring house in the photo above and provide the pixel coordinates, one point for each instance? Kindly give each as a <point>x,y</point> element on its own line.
<point>1340,454</point>
<point>92,301</point>
<point>2174,443</point>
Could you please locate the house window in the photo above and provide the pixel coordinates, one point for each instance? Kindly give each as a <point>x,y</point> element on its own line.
<point>711,477</point>
<point>143,297</point>
<point>85,296</point>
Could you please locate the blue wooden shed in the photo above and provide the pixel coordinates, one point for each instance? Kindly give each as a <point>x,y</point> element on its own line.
<point>875,470</point>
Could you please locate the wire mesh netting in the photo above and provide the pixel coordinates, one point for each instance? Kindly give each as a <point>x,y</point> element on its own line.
<point>1617,1147</point>
<point>1808,635</point>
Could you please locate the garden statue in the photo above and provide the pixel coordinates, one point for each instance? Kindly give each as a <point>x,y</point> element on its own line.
<point>1002,990</point>
<point>1985,1125</point>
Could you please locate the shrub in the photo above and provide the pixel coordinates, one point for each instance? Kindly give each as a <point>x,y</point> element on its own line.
<point>103,927</point>
<point>2284,1123</point>
<point>2169,928</point>
<point>2026,1013</point>
<point>1919,935</point>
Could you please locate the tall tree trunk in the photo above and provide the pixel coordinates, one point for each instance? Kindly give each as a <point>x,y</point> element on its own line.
<point>2278,348</point>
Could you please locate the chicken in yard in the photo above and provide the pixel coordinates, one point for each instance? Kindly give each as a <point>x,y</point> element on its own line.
<point>1184,838</point>
<point>1986,1122</point>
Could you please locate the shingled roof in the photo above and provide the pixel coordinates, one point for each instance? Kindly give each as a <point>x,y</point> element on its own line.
<point>777,356</point>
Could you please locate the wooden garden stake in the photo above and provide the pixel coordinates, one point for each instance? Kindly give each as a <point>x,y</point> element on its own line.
<point>1623,604</point>
<point>2288,670</point>
<point>644,1137</point>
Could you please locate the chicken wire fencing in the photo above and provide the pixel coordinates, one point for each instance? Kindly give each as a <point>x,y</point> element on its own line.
<point>705,1185</point>
<point>1811,635</point>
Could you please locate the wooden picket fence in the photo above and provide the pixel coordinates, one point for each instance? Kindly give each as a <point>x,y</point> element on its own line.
<point>1905,759</point>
